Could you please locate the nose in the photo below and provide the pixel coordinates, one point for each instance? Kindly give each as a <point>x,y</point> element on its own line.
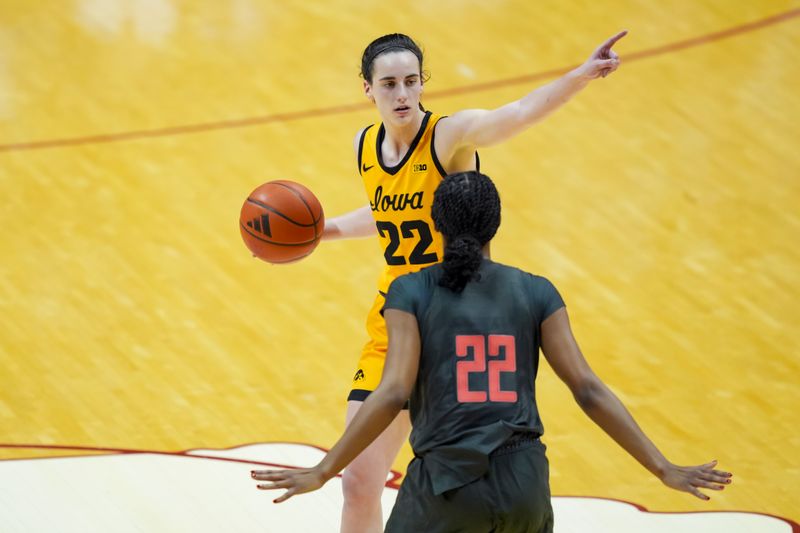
<point>402,94</point>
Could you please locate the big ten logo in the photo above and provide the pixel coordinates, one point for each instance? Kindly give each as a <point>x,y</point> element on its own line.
<point>420,167</point>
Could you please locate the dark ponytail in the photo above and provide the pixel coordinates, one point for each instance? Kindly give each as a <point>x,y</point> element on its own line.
<point>466,211</point>
<point>462,258</point>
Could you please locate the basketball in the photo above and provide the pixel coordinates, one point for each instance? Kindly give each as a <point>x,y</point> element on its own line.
<point>281,222</point>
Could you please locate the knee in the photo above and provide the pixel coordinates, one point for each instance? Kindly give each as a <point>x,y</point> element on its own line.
<point>362,486</point>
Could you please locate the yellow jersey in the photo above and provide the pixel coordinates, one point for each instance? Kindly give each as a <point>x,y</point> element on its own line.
<point>401,197</point>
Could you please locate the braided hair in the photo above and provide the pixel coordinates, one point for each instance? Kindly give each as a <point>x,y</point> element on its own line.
<point>466,211</point>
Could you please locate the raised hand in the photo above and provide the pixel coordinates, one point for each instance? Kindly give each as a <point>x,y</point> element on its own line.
<point>603,60</point>
<point>294,481</point>
<point>692,478</point>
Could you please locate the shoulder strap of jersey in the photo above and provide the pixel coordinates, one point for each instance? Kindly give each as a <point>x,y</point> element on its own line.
<point>361,146</point>
<point>435,158</point>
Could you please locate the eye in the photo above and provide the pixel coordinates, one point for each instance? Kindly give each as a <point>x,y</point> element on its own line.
<point>411,82</point>
<point>389,84</point>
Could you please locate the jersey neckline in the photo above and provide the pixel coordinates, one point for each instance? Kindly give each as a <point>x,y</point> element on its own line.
<point>379,141</point>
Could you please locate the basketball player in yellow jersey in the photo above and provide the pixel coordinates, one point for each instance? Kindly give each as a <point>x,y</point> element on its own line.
<point>401,160</point>
<point>400,202</point>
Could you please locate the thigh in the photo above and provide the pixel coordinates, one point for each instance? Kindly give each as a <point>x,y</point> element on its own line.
<point>373,464</point>
<point>370,365</point>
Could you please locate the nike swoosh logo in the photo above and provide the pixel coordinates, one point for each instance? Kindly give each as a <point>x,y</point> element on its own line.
<point>364,167</point>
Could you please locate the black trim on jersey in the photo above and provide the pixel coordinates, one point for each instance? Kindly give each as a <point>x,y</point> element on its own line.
<point>435,158</point>
<point>436,162</point>
<point>361,146</point>
<point>360,395</point>
<point>382,133</point>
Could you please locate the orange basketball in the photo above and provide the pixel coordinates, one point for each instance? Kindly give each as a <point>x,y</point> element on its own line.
<point>281,222</point>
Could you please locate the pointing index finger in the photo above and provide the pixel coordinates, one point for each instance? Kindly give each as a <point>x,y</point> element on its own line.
<point>606,46</point>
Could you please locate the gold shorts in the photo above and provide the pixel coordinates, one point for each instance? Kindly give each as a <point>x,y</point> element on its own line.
<point>373,355</point>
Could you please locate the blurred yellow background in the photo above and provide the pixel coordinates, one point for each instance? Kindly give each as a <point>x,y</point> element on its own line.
<point>663,202</point>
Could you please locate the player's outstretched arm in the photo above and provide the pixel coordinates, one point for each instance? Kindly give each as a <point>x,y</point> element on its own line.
<point>374,416</point>
<point>475,128</point>
<point>606,410</point>
<point>353,225</point>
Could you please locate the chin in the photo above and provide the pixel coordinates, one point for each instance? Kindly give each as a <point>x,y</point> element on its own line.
<point>408,117</point>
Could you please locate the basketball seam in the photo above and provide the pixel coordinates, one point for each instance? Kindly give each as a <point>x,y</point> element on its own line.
<point>310,212</point>
<point>273,210</point>
<point>276,243</point>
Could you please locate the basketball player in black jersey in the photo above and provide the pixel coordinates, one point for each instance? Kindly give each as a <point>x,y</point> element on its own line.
<point>464,339</point>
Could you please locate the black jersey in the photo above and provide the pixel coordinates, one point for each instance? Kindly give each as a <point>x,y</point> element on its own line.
<point>478,364</point>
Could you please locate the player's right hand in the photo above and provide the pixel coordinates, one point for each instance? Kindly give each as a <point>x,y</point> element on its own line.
<point>603,60</point>
<point>692,478</point>
<point>294,481</point>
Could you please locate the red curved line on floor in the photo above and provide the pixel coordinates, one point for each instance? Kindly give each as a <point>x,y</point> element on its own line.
<point>391,483</point>
<point>795,526</point>
<point>125,451</point>
<point>349,108</point>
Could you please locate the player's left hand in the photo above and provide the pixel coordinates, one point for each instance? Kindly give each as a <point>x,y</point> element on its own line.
<point>603,60</point>
<point>692,478</point>
<point>294,481</point>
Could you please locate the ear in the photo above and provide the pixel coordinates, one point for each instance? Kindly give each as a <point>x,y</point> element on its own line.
<point>368,91</point>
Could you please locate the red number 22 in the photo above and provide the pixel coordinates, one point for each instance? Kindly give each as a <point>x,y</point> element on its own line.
<point>478,364</point>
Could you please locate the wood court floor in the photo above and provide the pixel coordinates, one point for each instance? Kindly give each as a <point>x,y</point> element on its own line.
<point>664,203</point>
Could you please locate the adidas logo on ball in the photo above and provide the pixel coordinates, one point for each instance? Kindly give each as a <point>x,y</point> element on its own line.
<point>261,225</point>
